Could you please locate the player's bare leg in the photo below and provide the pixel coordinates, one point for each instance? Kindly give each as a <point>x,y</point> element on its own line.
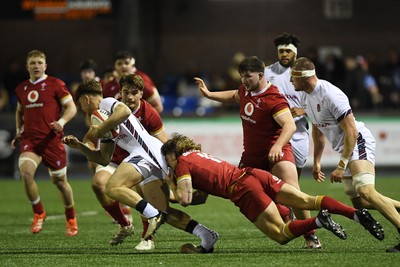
<point>287,172</point>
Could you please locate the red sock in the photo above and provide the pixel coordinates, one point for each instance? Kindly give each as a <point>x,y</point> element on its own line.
<point>284,212</point>
<point>300,227</point>
<point>38,208</point>
<point>335,207</point>
<point>145,224</point>
<point>70,213</point>
<point>116,213</point>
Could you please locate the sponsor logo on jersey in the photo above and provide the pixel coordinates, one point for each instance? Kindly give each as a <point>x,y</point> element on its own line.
<point>249,109</point>
<point>248,119</point>
<point>33,96</point>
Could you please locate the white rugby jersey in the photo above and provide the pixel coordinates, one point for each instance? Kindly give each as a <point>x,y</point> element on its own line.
<point>326,106</point>
<point>279,76</point>
<point>135,139</point>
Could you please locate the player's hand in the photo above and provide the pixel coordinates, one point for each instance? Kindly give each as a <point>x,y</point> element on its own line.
<point>297,112</point>
<point>70,141</point>
<point>202,86</point>
<point>319,176</point>
<point>56,126</point>
<point>16,140</point>
<point>275,154</point>
<point>337,175</point>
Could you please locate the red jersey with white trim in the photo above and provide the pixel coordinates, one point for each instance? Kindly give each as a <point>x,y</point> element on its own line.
<point>257,111</point>
<point>208,174</point>
<point>151,121</point>
<point>112,88</point>
<point>42,103</point>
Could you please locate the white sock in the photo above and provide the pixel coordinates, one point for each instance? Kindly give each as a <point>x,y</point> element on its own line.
<point>207,236</point>
<point>150,211</point>
<point>319,224</point>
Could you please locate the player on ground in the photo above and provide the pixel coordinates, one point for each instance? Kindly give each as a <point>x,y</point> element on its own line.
<point>329,110</point>
<point>255,192</point>
<point>267,127</point>
<point>143,163</point>
<point>124,65</point>
<point>279,75</point>
<point>40,125</point>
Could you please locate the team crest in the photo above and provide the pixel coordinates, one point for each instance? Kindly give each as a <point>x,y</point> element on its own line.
<point>318,108</point>
<point>249,109</point>
<point>33,96</point>
<point>43,86</point>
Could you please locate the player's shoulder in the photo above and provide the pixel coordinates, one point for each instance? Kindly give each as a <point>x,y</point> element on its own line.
<point>22,85</point>
<point>54,80</point>
<point>275,68</point>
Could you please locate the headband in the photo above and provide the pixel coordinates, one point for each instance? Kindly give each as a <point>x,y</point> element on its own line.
<point>302,73</point>
<point>289,46</point>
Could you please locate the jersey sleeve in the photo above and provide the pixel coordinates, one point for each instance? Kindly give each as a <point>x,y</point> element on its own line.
<point>182,171</point>
<point>109,104</point>
<point>338,104</point>
<point>62,92</point>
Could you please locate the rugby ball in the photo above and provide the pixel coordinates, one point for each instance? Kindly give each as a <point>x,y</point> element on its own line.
<point>188,248</point>
<point>98,117</point>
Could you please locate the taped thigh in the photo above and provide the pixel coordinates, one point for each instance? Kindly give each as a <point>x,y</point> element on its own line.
<point>21,160</point>
<point>362,179</point>
<point>58,173</point>
<point>349,188</point>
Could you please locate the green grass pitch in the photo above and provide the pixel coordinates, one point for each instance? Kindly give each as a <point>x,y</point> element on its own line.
<point>240,244</point>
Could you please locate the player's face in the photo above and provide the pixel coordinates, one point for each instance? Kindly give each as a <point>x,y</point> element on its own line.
<point>171,160</point>
<point>131,97</point>
<point>124,66</point>
<point>36,67</point>
<point>251,80</point>
<point>286,57</point>
<point>298,83</point>
<point>88,103</point>
<point>87,75</point>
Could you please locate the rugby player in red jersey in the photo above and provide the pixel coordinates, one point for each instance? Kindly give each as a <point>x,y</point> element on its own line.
<point>255,192</point>
<point>39,129</point>
<point>124,65</point>
<point>267,124</point>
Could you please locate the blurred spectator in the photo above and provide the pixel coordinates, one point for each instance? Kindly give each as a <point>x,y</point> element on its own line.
<point>13,75</point>
<point>233,79</point>
<point>334,70</point>
<point>4,98</point>
<point>389,80</point>
<point>360,86</point>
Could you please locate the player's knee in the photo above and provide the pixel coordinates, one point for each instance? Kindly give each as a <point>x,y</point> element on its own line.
<point>58,174</point>
<point>364,184</point>
<point>349,189</point>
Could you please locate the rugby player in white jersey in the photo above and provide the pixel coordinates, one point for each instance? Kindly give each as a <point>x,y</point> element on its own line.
<point>329,110</point>
<point>278,74</point>
<point>144,163</point>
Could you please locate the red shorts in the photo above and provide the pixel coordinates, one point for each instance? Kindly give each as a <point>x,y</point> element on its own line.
<point>262,162</point>
<point>255,191</point>
<point>51,149</point>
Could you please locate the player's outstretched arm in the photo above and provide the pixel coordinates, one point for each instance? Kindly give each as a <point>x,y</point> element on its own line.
<point>228,96</point>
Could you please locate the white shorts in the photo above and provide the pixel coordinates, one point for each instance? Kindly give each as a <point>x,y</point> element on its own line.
<point>300,151</point>
<point>364,149</point>
<point>149,171</point>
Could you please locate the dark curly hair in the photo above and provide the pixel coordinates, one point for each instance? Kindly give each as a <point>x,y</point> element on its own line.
<point>287,38</point>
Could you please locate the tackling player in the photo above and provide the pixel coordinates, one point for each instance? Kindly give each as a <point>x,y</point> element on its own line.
<point>255,192</point>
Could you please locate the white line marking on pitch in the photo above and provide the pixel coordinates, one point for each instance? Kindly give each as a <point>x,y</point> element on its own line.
<point>62,216</point>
